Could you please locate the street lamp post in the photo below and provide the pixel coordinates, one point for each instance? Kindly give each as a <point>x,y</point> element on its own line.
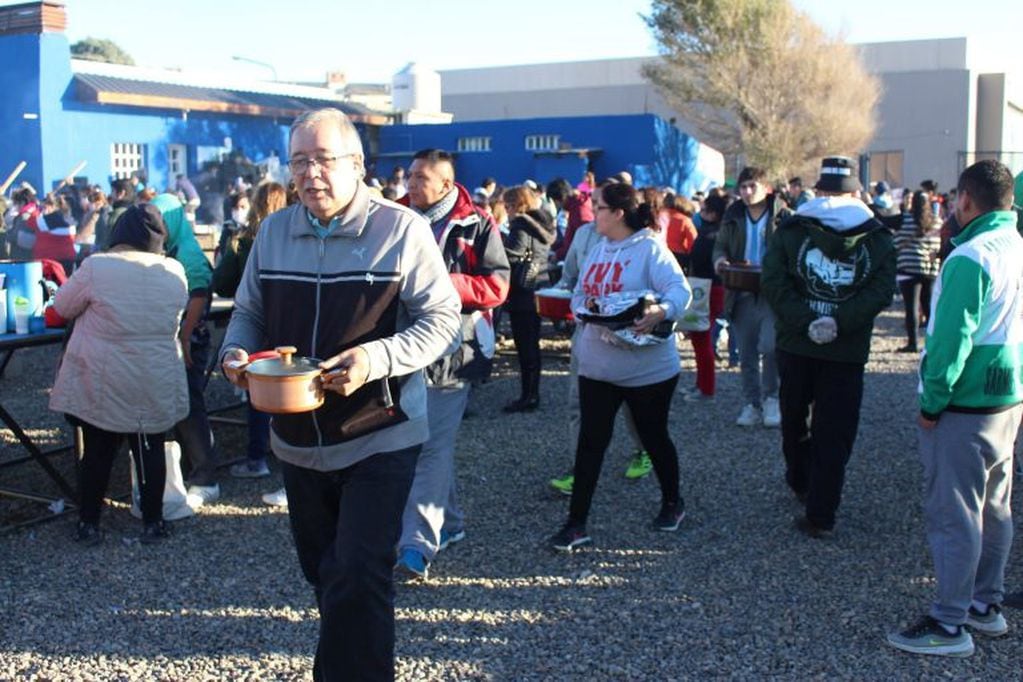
<point>266,65</point>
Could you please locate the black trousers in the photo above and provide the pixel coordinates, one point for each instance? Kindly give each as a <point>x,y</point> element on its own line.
<point>100,448</point>
<point>916,295</point>
<point>817,449</point>
<point>598,404</point>
<point>346,526</point>
<point>525,326</point>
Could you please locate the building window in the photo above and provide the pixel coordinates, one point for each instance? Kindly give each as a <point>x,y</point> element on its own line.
<point>474,144</point>
<point>176,160</point>
<point>543,143</point>
<point>126,158</point>
<point>887,166</point>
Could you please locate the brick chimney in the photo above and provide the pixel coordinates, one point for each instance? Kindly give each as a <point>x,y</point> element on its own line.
<point>47,16</point>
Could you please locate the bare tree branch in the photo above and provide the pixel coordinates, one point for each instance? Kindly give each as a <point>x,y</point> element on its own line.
<point>758,78</point>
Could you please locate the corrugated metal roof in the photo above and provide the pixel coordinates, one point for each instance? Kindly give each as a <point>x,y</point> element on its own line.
<point>95,86</point>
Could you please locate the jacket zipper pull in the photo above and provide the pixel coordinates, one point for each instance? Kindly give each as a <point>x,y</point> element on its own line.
<point>323,250</point>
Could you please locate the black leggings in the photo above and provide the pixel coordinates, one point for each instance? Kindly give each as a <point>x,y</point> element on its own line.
<point>94,470</point>
<point>916,295</point>
<point>598,404</point>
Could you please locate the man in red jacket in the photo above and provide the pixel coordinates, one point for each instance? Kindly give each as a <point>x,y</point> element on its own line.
<point>473,251</point>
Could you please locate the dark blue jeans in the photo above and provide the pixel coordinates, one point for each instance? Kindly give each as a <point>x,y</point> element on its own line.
<point>346,526</point>
<point>259,434</point>
<point>198,459</point>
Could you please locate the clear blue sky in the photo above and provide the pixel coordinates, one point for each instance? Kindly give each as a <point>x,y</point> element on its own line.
<point>370,40</point>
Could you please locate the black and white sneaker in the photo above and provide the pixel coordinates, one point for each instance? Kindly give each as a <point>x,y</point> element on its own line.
<point>569,538</point>
<point>670,517</point>
<point>990,623</point>
<point>928,636</point>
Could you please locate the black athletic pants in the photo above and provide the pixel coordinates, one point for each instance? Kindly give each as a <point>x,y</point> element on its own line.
<point>818,449</point>
<point>598,404</point>
<point>100,448</point>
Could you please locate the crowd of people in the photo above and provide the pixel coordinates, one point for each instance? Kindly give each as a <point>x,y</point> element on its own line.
<point>396,288</point>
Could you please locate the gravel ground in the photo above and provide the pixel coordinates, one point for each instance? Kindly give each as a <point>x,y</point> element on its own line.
<point>736,594</point>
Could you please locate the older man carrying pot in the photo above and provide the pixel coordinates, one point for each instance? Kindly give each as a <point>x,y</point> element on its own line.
<point>358,281</point>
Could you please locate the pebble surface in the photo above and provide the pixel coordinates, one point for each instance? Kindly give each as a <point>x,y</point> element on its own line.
<point>737,593</point>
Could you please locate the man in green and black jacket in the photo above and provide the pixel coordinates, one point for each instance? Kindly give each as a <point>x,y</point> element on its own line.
<point>828,272</point>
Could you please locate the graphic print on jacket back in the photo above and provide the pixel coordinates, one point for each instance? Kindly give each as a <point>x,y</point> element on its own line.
<point>830,281</point>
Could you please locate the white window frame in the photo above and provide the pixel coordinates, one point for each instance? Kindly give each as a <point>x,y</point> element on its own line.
<point>178,166</point>
<point>478,143</point>
<point>543,143</point>
<point>126,158</point>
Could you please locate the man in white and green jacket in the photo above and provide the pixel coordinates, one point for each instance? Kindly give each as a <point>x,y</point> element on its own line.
<point>970,395</point>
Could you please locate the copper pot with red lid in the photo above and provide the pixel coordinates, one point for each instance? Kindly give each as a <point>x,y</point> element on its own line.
<point>281,382</point>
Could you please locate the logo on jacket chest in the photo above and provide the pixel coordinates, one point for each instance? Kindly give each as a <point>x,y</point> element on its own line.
<point>832,279</point>
<point>603,278</point>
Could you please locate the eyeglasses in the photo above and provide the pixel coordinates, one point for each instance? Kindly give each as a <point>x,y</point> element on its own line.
<point>301,164</point>
<point>602,207</point>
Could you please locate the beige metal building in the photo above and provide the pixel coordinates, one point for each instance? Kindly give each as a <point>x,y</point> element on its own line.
<point>945,103</point>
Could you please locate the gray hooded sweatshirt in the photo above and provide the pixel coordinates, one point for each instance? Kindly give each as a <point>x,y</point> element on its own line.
<point>638,262</point>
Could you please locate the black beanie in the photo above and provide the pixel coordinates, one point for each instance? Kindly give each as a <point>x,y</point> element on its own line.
<point>141,227</point>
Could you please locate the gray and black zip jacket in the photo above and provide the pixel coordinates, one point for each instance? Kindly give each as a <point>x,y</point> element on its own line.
<point>377,281</point>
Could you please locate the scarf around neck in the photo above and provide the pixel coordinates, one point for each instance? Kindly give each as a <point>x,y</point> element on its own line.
<point>439,211</point>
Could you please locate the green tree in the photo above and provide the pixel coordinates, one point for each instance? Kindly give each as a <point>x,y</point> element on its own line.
<point>760,80</point>
<point>101,50</point>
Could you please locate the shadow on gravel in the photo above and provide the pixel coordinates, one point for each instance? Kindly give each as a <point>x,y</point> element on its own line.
<point>737,593</point>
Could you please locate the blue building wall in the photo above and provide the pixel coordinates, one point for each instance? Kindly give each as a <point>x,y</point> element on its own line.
<point>37,79</point>
<point>19,83</point>
<point>650,148</point>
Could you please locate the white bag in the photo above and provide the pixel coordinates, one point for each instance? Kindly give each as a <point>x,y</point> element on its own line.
<point>696,317</point>
<point>175,505</point>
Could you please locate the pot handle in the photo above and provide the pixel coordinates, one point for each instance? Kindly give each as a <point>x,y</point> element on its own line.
<point>286,352</point>
<point>241,380</point>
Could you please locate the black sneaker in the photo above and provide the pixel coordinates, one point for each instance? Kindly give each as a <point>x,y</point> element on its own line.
<point>670,517</point>
<point>155,532</point>
<point>811,529</point>
<point>569,538</point>
<point>88,534</point>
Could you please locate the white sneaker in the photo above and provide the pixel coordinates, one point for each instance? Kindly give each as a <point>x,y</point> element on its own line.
<point>772,413</point>
<point>170,513</point>
<point>278,498</point>
<point>198,495</point>
<point>750,416</point>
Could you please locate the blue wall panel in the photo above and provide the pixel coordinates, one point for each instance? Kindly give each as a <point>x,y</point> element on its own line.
<point>19,85</point>
<point>647,146</point>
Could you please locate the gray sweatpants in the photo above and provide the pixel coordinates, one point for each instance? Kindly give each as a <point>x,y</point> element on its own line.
<point>432,503</point>
<point>753,324</point>
<point>967,462</point>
